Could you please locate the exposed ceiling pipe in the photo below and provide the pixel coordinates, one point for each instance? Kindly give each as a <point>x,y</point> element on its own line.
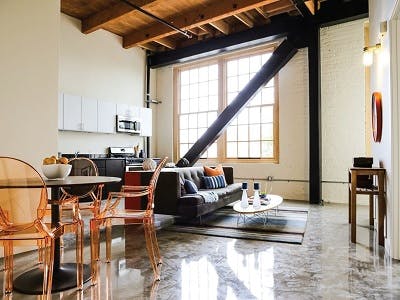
<point>184,32</point>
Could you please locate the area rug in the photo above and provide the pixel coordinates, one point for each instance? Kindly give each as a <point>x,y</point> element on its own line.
<point>287,226</point>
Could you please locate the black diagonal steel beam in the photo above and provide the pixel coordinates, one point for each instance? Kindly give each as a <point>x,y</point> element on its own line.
<point>282,54</point>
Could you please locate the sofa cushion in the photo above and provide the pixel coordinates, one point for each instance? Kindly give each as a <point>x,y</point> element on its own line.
<point>190,187</point>
<point>214,182</point>
<point>213,171</point>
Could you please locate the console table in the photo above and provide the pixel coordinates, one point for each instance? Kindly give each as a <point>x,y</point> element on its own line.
<point>378,189</point>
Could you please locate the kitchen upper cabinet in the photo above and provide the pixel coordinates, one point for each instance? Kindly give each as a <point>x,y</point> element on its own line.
<point>128,110</point>
<point>79,113</point>
<point>106,121</point>
<point>89,114</point>
<point>146,125</point>
<point>72,112</point>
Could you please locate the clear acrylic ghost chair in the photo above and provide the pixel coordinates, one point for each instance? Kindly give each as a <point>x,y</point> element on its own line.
<point>23,201</point>
<point>111,212</point>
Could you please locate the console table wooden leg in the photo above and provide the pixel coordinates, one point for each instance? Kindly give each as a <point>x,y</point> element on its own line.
<point>349,205</point>
<point>353,207</point>
<point>371,210</point>
<point>381,210</point>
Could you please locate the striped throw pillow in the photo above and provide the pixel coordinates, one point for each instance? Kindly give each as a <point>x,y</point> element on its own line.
<point>214,182</point>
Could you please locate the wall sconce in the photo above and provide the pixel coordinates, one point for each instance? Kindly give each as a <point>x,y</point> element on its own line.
<point>368,56</point>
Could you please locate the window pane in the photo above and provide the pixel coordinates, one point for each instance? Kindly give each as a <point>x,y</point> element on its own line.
<point>268,95</point>
<point>254,115</point>
<point>194,105</point>
<point>184,106</point>
<point>254,149</point>
<point>201,131</point>
<point>255,132</point>
<point>255,63</point>
<point>213,72</point>
<point>243,117</point>
<point>212,151</point>
<point>231,97</point>
<point>212,116</point>
<point>185,92</point>
<point>202,120</point>
<point>243,80</point>
<point>243,132</point>
<point>193,121</point>
<point>185,77</point>
<point>243,149</point>
<point>267,132</point>
<point>183,149</point>
<point>267,149</point>
<point>231,149</point>
<point>231,133</point>
<point>256,100</point>
<point>193,91</point>
<point>265,57</point>
<point>243,65</point>
<point>203,74</point>
<point>203,104</point>
<point>267,114</point>
<point>184,136</point>
<point>213,87</point>
<point>184,122</point>
<point>203,89</point>
<point>232,67</point>
<point>234,121</point>
<point>270,83</point>
<point>213,103</point>
<point>232,85</point>
<point>192,135</point>
<point>194,75</point>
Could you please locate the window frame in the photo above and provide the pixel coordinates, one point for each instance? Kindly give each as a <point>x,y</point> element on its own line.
<point>222,60</point>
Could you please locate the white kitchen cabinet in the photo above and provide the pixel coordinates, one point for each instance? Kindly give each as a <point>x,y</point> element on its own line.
<point>106,117</point>
<point>72,112</point>
<point>146,125</point>
<point>127,110</point>
<point>60,111</point>
<point>89,114</point>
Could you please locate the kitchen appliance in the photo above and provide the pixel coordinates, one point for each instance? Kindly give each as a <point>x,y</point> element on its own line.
<point>132,163</point>
<point>128,124</point>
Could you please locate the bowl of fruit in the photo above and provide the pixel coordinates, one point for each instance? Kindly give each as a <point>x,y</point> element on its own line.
<point>56,168</point>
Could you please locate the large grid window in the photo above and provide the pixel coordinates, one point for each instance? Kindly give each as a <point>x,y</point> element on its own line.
<point>205,89</point>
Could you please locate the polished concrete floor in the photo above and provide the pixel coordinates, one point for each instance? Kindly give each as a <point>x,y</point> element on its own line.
<point>325,266</point>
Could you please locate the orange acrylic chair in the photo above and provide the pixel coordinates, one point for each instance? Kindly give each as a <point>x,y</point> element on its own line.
<point>112,212</point>
<point>82,166</point>
<point>23,201</point>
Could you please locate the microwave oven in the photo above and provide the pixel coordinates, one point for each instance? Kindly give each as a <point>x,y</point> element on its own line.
<point>128,124</point>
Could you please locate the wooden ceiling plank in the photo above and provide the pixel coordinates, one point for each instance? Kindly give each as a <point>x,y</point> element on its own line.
<point>215,11</point>
<point>262,12</point>
<point>166,42</point>
<point>149,46</point>
<point>245,20</point>
<point>99,19</point>
<point>222,26</point>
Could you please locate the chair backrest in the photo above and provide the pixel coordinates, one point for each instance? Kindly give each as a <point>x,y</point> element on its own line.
<point>23,195</point>
<point>81,166</point>
<point>153,183</point>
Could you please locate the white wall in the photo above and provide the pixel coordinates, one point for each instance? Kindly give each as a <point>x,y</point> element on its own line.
<point>96,66</point>
<point>29,36</point>
<point>343,125</point>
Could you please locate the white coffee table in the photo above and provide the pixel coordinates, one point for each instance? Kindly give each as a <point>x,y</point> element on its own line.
<point>250,212</point>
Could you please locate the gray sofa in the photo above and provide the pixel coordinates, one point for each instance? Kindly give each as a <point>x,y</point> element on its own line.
<point>170,197</point>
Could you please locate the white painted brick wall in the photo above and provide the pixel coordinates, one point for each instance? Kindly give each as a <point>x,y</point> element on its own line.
<point>342,104</point>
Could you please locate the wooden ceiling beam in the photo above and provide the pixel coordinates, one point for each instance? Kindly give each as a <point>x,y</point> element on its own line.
<point>245,20</point>
<point>101,18</point>
<point>262,12</point>
<point>166,42</point>
<point>216,10</point>
<point>222,26</point>
<point>149,47</point>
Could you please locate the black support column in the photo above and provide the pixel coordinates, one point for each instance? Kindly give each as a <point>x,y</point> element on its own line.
<point>285,51</point>
<point>314,84</point>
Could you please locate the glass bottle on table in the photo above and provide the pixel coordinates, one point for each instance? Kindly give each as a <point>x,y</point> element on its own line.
<point>244,203</point>
<point>256,197</point>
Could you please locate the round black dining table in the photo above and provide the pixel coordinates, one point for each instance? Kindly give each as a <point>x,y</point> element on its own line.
<point>64,274</point>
